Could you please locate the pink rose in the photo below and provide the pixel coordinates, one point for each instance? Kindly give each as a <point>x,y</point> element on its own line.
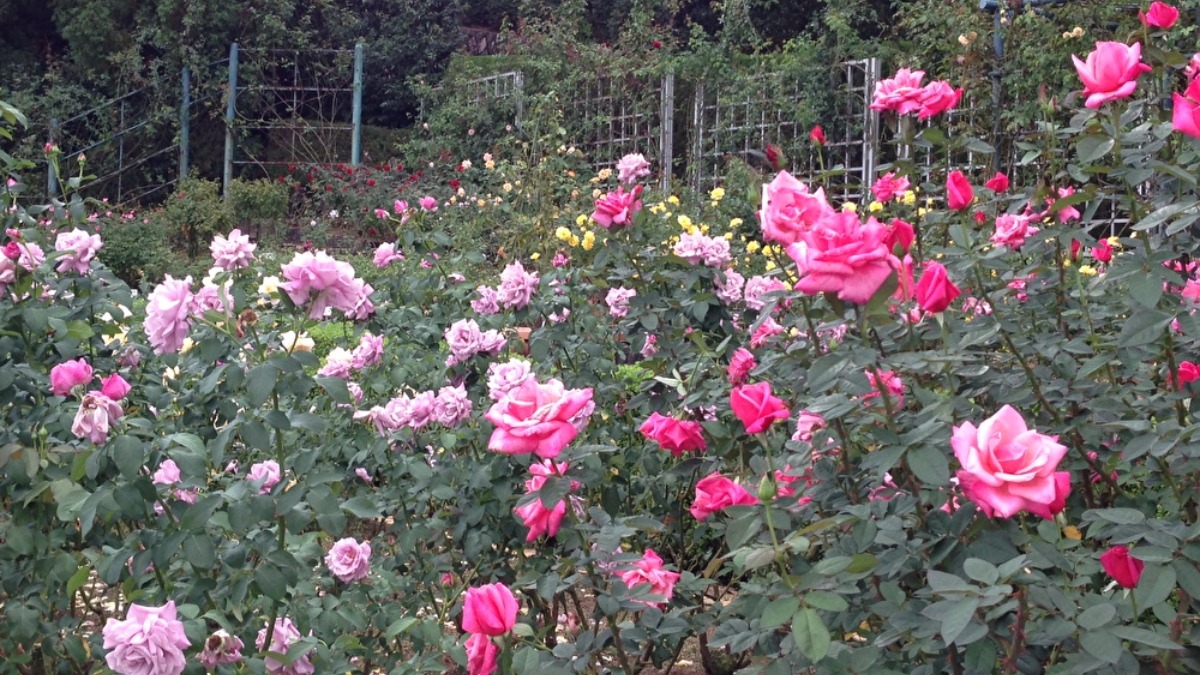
<point>232,252</point>
<point>80,247</point>
<point>958,191</point>
<point>936,98</point>
<point>900,236</point>
<point>149,641</point>
<point>1160,15</point>
<point>935,291</point>
<point>1184,116</point>
<point>540,519</point>
<point>169,314</point>
<point>677,436</point>
<point>1012,229</point>
<point>428,203</point>
<point>349,560</point>
<point>267,474</point>
<point>756,407</point>
<point>715,493</point>
<point>649,571</point>
<point>618,301</point>
<point>740,366</point>
<point>844,256</point>
<point>1008,468</point>
<point>1102,251</point>
<point>788,209</point>
<point>482,655</point>
<point>326,283</point>
<point>114,386</point>
<point>95,417</point>
<point>889,186</point>
<point>386,254</point>
<point>536,418</point>
<point>901,93</point>
<point>817,135</point>
<point>616,209</point>
<point>489,610</point>
<point>1110,72</point>
<point>282,638</point>
<point>997,183</point>
<point>167,473</point>
<point>69,374</point>
<point>890,381</point>
<point>631,168</point>
<point>505,377</point>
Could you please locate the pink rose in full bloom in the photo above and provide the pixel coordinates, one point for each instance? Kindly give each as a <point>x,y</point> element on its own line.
<point>80,247</point>
<point>327,284</point>
<point>386,254</point>
<point>114,386</point>
<point>1012,229</point>
<point>482,655</point>
<point>1122,567</point>
<point>901,93</point>
<point>149,641</point>
<point>221,648</point>
<point>233,252</point>
<point>489,610</point>
<point>1110,72</point>
<point>889,186</point>
<point>349,560</point>
<point>95,417</point>
<point>676,436</point>
<point>649,571</point>
<point>958,191</point>
<point>616,209</point>
<point>740,366</point>
<point>729,286</point>
<point>517,286</point>
<point>505,377</point>
<point>632,168</point>
<point>267,474</point>
<point>789,210</point>
<point>282,639</point>
<point>758,286</point>
<point>844,256</point>
<point>169,314</point>
<point>936,98</point>
<point>428,203</point>
<point>452,406</point>
<point>1008,467</point>
<point>167,473</point>
<point>935,291</point>
<point>715,493</point>
<point>618,299</point>
<point>69,374</point>
<point>536,418</point>
<point>1160,15</point>
<point>756,407</point>
<point>1185,112</point>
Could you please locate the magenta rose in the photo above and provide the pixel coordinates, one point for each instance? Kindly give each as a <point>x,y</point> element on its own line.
<point>756,407</point>
<point>616,209</point>
<point>959,193</point>
<point>936,98</point>
<point>901,93</point>
<point>649,571</point>
<point>69,374</point>
<point>935,291</point>
<point>536,418</point>
<point>1008,467</point>
<point>114,386</point>
<point>677,436</point>
<point>349,560</point>
<point>490,609</point>
<point>1125,569</point>
<point>1110,72</point>
<point>844,256</point>
<point>788,209</point>
<point>715,493</point>
<point>149,641</point>
<point>482,655</point>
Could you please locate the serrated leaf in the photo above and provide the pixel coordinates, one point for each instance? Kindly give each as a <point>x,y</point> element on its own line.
<point>1102,644</point>
<point>362,506</point>
<point>810,634</point>
<point>981,570</point>
<point>1096,616</point>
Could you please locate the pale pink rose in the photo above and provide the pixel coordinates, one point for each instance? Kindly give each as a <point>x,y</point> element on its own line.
<point>421,409</point>
<point>649,571</point>
<point>30,256</point>
<point>368,352</point>
<point>806,424</point>
<point>326,283</point>
<point>282,639</point>
<point>901,93</point>
<point>233,252</point>
<point>212,298</point>
<point>363,475</point>
<point>452,406</point>
<point>893,383</point>
<point>1012,230</point>
<point>81,248</point>
<point>616,209</point>
<point>115,387</point>
<point>169,314</point>
<point>649,347</point>
<point>464,338</point>
<point>698,247</point>
<point>618,301</point>
<point>845,256</point>
<point>338,364</point>
<point>789,210</point>
<point>266,474</point>
<point>488,302</point>
<point>1110,72</point>
<point>221,648</point>
<point>516,286</point>
<point>1008,467</point>
<point>167,473</point>
<point>349,560</point>
<point>729,286</point>
<point>536,418</point>
<point>758,286</point>
<point>95,417</point>
<point>149,641</point>
<point>632,168</point>
<point>386,254</point>
<point>505,377</point>
<point>69,374</point>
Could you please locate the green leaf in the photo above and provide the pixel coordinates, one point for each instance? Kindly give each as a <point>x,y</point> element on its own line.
<point>1096,616</point>
<point>942,582</point>
<point>198,514</point>
<point>1092,148</point>
<point>778,612</point>
<point>981,570</point>
<point>929,465</point>
<point>362,506</point>
<point>1146,637</point>
<point>1102,644</point>
<point>260,382</point>
<point>190,441</point>
<point>129,455</point>
<point>1155,586</point>
<point>270,581</point>
<point>400,626</point>
<point>1117,516</point>
<point>78,579</point>
<point>810,634</point>
<point>956,617</point>
<point>830,602</point>
<point>1144,327</point>
<point>1146,290</point>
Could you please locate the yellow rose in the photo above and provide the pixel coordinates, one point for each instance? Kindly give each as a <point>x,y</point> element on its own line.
<point>717,194</point>
<point>673,200</point>
<point>735,223</point>
<point>875,207</point>
<point>685,222</point>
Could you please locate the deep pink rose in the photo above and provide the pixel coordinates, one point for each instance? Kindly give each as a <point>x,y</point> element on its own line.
<point>649,570</point>
<point>1160,15</point>
<point>756,407</point>
<point>540,519</point>
<point>616,209</point>
<point>935,291</point>
<point>842,255</point>
<point>149,641</point>
<point>958,191</point>
<point>1008,467</point>
<point>1122,567</point>
<point>69,374</point>
<point>788,209</point>
<point>740,366</point>
<point>482,655</point>
<point>677,436</point>
<point>899,234</point>
<point>890,381</point>
<point>817,135</point>
<point>901,93</point>
<point>936,98</point>
<point>1110,72</point>
<point>115,387</point>
<point>489,610</point>
<point>1185,117</point>
<point>349,560</point>
<point>997,183</point>
<point>715,493</point>
<point>536,418</point>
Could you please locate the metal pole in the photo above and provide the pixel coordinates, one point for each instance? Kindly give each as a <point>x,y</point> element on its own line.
<point>667,129</point>
<point>356,114</point>
<point>185,119</point>
<point>997,82</point>
<point>121,157</point>
<point>230,114</point>
<point>51,179</point>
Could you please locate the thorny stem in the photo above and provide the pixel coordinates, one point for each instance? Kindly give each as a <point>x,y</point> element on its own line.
<point>1018,637</point>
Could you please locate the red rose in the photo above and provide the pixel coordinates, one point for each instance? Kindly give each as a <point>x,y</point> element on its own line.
<point>1121,566</point>
<point>817,135</point>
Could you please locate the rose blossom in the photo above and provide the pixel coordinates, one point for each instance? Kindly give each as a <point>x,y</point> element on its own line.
<point>900,235</point>
<point>282,639</point>
<point>817,135</point>
<point>386,254</point>
<point>428,203</point>
<point>536,418</point>
<point>997,183</point>
<point>740,366</point>
<point>1160,15</point>
<point>729,286</point>
<point>676,436</point>
<point>221,648</point>
<point>845,256</point>
<point>618,301</point>
<point>767,329</point>
<point>337,364</point>
<point>168,314</point>
<point>114,386</point>
<point>649,571</point>
<point>233,252</point>
<point>266,474</point>
<point>893,383</point>
<point>81,248</point>
<point>149,641</point>
<point>95,417</point>
<point>349,560</point>
<point>716,493</point>
<point>756,407</point>
<point>69,374</point>
<point>487,303</point>
<point>489,610</point>
<point>368,352</point>
<point>789,210</point>
<point>1122,567</point>
<point>327,283</point>
<point>505,377</point>
<point>1012,230</point>
<point>632,167</point>
<point>1110,72</point>
<point>452,406</point>
<point>1185,113</point>
<point>482,655</point>
<point>1008,467</point>
<point>166,474</point>
<point>958,191</point>
<point>935,291</point>
<point>900,93</point>
<point>758,286</point>
<point>889,186</point>
<point>516,286</point>
<point>616,209</point>
<point>936,98</point>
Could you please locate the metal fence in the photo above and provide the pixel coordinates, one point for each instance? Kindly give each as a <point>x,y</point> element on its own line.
<point>612,117</point>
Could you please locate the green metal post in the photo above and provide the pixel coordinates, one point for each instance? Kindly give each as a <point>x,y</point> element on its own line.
<point>230,114</point>
<point>185,119</point>
<point>356,114</point>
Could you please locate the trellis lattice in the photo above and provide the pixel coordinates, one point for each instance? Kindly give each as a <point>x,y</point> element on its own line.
<point>614,116</point>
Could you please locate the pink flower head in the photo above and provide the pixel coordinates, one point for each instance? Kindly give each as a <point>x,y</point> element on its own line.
<point>1185,114</point>
<point>649,570</point>
<point>844,256</point>
<point>349,560</point>
<point>900,236</point>
<point>517,286</point>
<point>114,386</point>
<point>959,193</point>
<point>338,364</point>
<point>266,474</point>
<point>900,94</point>
<point>421,409</point>
<point>1012,230</point>
<point>428,203</point>
<point>1102,251</point>
<point>386,254</point>
<point>452,406</point>
<point>169,314</point>
<point>767,329</point>
<point>806,424</point>
<point>632,168</point>
<point>1008,468</point>
<point>489,610</point>
<point>618,299</point>
<point>729,286</point>
<point>788,210</point>
<point>400,206</point>
<point>482,655</point>
<point>889,186</point>
<point>221,648</point>
<point>935,291</point>
<point>149,641</point>
<point>465,340</point>
<point>536,418</point>
<point>1067,214</point>
<point>675,436</point>
<point>715,493</point>
<point>699,247</point>
<point>758,286</point>
<point>1110,72</point>
<point>936,98</point>
<point>369,351</point>
<point>997,183</point>
<point>890,380</point>
<point>502,378</point>
<point>616,209</point>
<point>282,639</point>
<point>80,247</point>
<point>70,374</point>
<point>540,519</point>
<point>363,475</point>
<point>95,417</point>
<point>488,302</point>
<point>232,252</point>
<point>1160,15</point>
<point>561,259</point>
<point>740,366</point>
<point>328,284</point>
<point>167,473</point>
<point>756,407</point>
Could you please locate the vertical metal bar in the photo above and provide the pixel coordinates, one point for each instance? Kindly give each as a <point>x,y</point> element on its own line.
<point>519,84</point>
<point>230,113</point>
<point>356,113</point>
<point>185,122</point>
<point>667,129</point>
<point>51,178</point>
<point>121,156</point>
<point>870,124</point>
<point>997,76</point>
